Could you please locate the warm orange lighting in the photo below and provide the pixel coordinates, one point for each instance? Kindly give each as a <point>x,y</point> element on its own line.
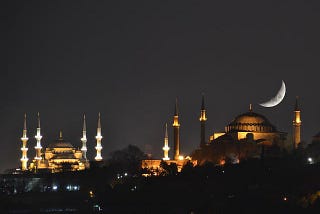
<point>181,157</point>
<point>222,162</point>
<point>203,116</point>
<point>297,119</point>
<point>91,194</point>
<point>176,121</point>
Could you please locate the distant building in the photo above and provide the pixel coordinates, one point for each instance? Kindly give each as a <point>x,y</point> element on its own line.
<point>59,156</point>
<point>251,127</point>
<point>249,135</point>
<point>153,165</point>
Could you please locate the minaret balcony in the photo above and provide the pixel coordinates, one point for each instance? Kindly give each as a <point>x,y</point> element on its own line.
<point>166,148</point>
<point>98,158</point>
<point>38,136</point>
<point>24,149</point>
<point>175,124</point>
<point>98,137</point>
<point>98,147</point>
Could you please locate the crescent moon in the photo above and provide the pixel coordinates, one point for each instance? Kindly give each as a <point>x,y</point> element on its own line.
<point>277,99</point>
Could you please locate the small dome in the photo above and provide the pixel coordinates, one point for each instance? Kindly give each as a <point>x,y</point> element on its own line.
<point>249,122</point>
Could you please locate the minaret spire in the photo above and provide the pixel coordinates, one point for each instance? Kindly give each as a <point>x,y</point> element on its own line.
<point>166,147</point>
<point>25,124</point>
<point>38,120</point>
<point>98,137</point>
<point>38,147</point>
<point>296,106</point>
<point>176,110</point>
<point>296,125</point>
<point>203,120</point>
<point>176,133</point>
<point>24,149</point>
<point>202,102</point>
<point>84,138</point>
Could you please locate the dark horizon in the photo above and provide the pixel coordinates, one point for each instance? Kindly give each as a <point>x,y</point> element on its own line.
<point>130,61</point>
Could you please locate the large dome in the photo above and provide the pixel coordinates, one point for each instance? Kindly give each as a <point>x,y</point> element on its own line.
<point>60,143</point>
<point>250,122</point>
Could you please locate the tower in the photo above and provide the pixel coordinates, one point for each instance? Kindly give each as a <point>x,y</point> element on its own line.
<point>38,147</point>
<point>296,126</point>
<point>176,134</point>
<point>98,137</point>
<point>84,139</point>
<point>166,147</point>
<point>24,149</point>
<point>203,120</point>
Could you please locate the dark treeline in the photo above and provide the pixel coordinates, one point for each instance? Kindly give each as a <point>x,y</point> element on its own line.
<point>274,185</point>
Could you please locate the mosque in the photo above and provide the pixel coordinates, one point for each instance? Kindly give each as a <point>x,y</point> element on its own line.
<point>60,155</point>
<point>154,164</point>
<point>249,135</point>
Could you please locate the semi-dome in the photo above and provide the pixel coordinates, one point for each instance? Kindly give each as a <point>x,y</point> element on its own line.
<point>249,122</point>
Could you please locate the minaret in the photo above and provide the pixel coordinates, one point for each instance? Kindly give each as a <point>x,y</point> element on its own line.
<point>24,149</point>
<point>203,120</point>
<point>176,135</point>
<point>84,139</point>
<point>166,147</point>
<point>38,147</point>
<point>98,137</point>
<point>296,126</point>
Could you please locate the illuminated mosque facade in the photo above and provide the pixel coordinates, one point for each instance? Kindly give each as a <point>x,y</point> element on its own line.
<point>249,135</point>
<point>154,165</point>
<point>60,155</point>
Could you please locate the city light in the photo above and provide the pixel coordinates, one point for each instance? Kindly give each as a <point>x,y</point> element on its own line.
<point>222,162</point>
<point>54,187</point>
<point>91,194</point>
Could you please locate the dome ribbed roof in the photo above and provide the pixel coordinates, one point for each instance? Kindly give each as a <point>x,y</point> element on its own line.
<point>60,143</point>
<point>251,121</point>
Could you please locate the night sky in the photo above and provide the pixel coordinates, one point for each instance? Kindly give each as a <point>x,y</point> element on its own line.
<point>130,60</point>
